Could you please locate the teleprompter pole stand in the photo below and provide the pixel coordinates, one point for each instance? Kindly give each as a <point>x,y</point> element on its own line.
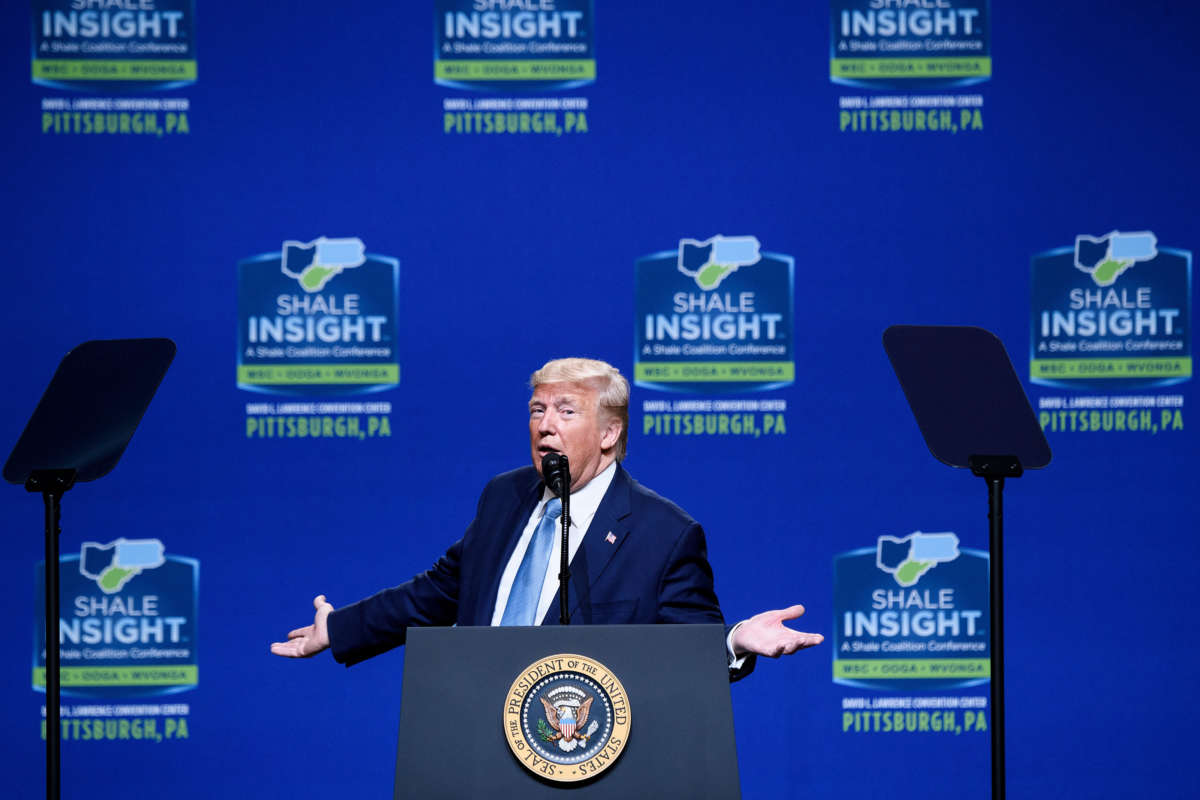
<point>77,433</point>
<point>994,469</point>
<point>52,484</point>
<point>973,413</point>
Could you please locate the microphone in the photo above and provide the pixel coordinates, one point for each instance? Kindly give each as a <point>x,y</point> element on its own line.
<point>556,472</point>
<point>557,475</point>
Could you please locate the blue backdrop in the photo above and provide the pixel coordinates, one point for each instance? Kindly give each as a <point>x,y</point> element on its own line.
<point>307,120</point>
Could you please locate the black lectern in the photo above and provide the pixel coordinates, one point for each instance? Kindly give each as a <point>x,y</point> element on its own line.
<point>471,694</point>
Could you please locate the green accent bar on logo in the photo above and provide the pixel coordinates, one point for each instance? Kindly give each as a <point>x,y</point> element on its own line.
<point>967,67</point>
<point>713,371</point>
<point>1180,367</point>
<point>77,69</point>
<point>912,668</point>
<point>500,70</point>
<point>318,373</point>
<point>175,675</point>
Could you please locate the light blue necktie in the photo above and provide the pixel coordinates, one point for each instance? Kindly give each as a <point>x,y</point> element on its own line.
<point>527,586</point>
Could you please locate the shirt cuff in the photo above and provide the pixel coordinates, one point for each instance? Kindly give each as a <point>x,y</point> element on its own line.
<point>735,661</point>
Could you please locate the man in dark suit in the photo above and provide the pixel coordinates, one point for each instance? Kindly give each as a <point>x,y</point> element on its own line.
<point>635,556</point>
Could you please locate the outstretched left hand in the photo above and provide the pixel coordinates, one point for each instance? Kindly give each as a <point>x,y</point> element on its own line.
<point>306,642</point>
<point>766,635</point>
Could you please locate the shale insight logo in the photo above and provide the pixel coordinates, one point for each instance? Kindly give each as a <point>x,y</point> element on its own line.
<point>909,558</point>
<point>513,45</point>
<point>114,564</point>
<point>315,263</point>
<point>1111,312</point>
<point>318,318</point>
<point>112,46</point>
<point>127,623</point>
<point>713,316</point>
<point>910,613</point>
<point>909,44</point>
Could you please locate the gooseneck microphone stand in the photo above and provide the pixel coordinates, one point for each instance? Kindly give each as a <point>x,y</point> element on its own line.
<point>556,471</point>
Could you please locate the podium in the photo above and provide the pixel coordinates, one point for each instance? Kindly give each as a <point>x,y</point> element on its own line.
<point>471,698</point>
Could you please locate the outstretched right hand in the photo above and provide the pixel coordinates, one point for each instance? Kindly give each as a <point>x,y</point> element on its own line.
<point>309,640</point>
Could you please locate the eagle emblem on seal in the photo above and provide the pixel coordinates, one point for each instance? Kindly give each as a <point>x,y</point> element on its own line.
<point>566,717</point>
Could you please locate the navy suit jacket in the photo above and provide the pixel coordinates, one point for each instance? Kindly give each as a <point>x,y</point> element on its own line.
<point>655,569</point>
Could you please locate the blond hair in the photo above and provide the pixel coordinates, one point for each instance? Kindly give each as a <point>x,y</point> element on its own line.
<point>612,390</point>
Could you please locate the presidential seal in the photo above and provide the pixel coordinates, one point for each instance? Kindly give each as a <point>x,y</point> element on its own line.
<point>566,718</point>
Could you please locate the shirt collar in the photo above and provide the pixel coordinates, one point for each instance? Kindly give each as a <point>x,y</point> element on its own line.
<point>586,499</point>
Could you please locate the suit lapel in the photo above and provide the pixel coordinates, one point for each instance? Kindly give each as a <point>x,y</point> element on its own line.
<point>526,499</point>
<point>604,537</point>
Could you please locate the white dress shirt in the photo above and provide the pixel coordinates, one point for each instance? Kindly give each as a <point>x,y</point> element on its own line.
<point>584,502</point>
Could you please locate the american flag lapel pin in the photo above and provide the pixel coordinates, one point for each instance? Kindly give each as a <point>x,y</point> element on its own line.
<point>610,538</point>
